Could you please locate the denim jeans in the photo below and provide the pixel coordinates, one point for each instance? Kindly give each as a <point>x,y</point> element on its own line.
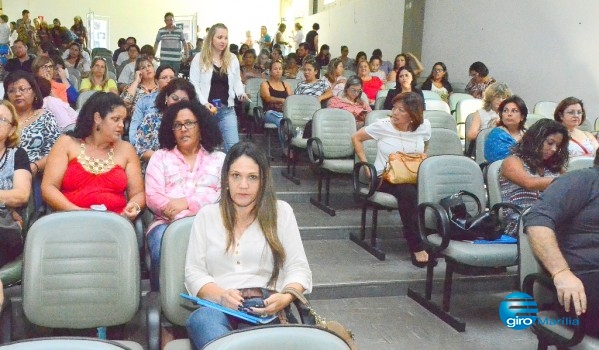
<point>227,123</point>
<point>274,117</point>
<point>154,240</point>
<point>206,324</point>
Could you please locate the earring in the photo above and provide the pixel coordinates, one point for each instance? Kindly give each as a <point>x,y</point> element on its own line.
<point>97,127</point>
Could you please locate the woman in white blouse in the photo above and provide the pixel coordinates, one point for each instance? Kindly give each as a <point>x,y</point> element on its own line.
<point>248,241</point>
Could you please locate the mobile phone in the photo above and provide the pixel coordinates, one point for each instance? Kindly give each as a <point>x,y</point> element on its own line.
<point>250,303</point>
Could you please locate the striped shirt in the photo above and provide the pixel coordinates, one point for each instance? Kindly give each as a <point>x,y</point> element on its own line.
<point>171,43</point>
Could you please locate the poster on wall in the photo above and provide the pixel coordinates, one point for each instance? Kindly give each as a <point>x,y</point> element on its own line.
<point>98,30</point>
<point>188,24</point>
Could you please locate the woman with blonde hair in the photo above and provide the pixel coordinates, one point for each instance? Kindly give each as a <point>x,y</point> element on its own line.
<point>215,74</point>
<point>488,116</point>
<point>98,79</point>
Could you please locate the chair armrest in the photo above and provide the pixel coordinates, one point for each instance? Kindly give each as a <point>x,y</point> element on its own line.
<point>553,338</point>
<point>373,183</point>
<point>442,225</point>
<point>258,116</point>
<point>6,319</point>
<point>316,157</point>
<point>153,320</point>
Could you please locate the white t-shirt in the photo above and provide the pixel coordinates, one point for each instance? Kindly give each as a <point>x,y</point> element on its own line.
<point>390,140</point>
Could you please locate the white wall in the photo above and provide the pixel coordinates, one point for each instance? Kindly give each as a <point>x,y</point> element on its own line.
<point>545,50</point>
<point>142,18</point>
<point>362,25</point>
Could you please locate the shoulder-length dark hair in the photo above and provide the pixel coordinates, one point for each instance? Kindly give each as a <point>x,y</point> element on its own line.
<point>558,115</point>
<point>174,85</point>
<point>101,103</point>
<point>265,209</point>
<point>17,75</point>
<point>479,68</point>
<point>409,70</point>
<point>414,106</point>
<point>210,135</point>
<point>530,148</point>
<point>521,106</point>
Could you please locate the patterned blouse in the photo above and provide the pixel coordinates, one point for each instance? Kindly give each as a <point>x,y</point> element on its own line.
<point>147,133</point>
<point>316,88</point>
<point>38,137</point>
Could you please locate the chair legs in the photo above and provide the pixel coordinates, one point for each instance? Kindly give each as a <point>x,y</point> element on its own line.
<point>291,165</point>
<point>426,299</point>
<point>317,202</point>
<point>373,247</point>
<point>268,146</point>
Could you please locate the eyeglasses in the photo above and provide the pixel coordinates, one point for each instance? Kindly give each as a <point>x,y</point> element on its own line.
<point>177,98</point>
<point>572,112</point>
<point>188,125</point>
<point>20,90</point>
<point>438,70</point>
<point>48,66</point>
<point>514,110</point>
<point>5,121</point>
<point>355,91</point>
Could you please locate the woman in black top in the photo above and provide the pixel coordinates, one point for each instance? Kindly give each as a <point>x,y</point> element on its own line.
<point>405,82</point>
<point>273,93</point>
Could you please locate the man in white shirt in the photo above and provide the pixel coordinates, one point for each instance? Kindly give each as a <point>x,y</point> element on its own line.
<point>123,56</point>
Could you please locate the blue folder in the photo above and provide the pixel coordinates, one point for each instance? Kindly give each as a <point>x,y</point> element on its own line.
<point>504,239</point>
<point>239,314</point>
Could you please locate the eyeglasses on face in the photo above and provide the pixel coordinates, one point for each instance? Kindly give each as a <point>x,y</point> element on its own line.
<point>21,90</point>
<point>573,113</point>
<point>48,66</point>
<point>4,121</point>
<point>188,125</point>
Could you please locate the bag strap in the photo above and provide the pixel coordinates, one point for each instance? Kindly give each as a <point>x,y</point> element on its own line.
<point>320,321</point>
<point>473,196</point>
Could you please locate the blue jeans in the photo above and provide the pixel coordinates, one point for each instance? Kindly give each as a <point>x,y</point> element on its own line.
<point>154,240</point>
<point>274,117</point>
<point>227,123</point>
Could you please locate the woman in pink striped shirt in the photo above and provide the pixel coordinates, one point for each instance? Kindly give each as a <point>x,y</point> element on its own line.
<point>184,174</point>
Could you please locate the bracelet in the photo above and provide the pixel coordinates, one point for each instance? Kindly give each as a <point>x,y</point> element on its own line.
<point>560,271</point>
<point>137,205</point>
<point>37,168</point>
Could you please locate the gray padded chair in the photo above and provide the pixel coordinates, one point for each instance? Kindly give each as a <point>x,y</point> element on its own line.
<point>532,118</point>
<point>297,111</point>
<point>457,97</point>
<point>458,87</point>
<point>365,191</point>
<point>431,95</point>
<point>480,145</point>
<point>493,188</point>
<point>444,141</point>
<point>83,97</point>
<point>577,163</point>
<point>437,105</point>
<point>292,82</point>
<point>252,90</point>
<point>439,177</point>
<point>283,337</point>
<point>81,270</point>
<point>167,305</point>
<point>376,115</point>
<point>441,119</point>
<point>467,143</point>
<point>545,108</point>
<point>379,102</point>
<point>331,149</point>
<point>536,282</point>
<point>65,343</point>
<point>465,107</point>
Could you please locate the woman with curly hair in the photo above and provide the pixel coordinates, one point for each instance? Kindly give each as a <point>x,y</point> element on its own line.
<point>184,174</point>
<point>535,162</point>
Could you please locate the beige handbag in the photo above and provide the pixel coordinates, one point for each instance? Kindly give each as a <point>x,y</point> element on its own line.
<point>402,168</point>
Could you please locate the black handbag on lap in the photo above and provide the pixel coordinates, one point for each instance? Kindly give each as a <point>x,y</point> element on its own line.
<point>483,225</point>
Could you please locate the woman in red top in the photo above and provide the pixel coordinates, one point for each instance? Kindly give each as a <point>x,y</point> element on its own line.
<point>370,85</point>
<point>94,168</point>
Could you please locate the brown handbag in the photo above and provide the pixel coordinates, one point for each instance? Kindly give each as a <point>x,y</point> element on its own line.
<point>320,322</point>
<point>402,168</point>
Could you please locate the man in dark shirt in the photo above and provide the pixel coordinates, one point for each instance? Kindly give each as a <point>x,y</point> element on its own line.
<point>563,229</point>
<point>312,39</point>
<point>21,61</point>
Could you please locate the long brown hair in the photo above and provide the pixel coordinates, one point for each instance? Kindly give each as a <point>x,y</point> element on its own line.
<point>265,209</point>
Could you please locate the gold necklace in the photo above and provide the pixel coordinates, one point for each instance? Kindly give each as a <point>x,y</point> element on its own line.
<point>25,122</point>
<point>94,165</point>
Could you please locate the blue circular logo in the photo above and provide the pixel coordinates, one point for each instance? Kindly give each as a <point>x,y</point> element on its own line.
<point>518,311</point>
